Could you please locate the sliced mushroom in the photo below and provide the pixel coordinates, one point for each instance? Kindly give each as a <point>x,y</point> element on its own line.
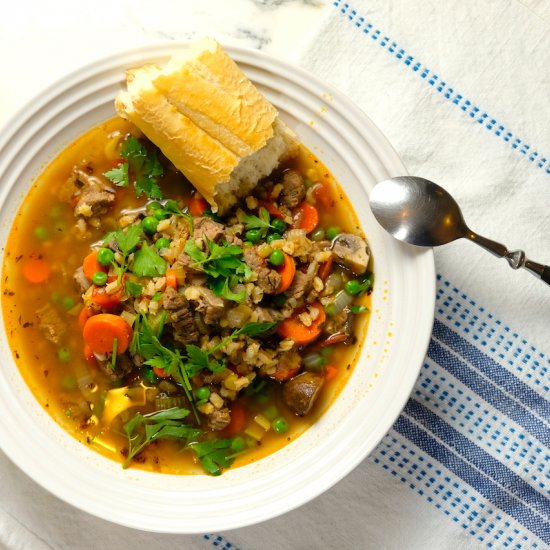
<point>352,252</point>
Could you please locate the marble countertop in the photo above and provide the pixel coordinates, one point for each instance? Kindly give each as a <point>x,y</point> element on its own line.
<point>41,42</point>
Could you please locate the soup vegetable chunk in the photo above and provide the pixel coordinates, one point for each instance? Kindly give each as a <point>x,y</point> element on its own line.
<point>171,338</point>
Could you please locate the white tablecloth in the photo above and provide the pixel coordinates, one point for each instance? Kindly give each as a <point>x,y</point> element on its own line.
<point>461,89</point>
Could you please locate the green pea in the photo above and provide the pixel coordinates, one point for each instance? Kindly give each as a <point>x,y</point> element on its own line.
<point>247,244</point>
<point>105,256</point>
<point>149,375</point>
<point>163,242</point>
<point>271,412</point>
<point>278,225</point>
<point>280,425</point>
<point>238,444</point>
<point>202,393</point>
<point>55,211</point>
<point>326,351</point>
<point>160,214</point>
<point>333,232</point>
<point>68,382</point>
<point>276,258</point>
<point>172,205</point>
<point>318,234</point>
<point>99,278</point>
<point>273,237</point>
<point>64,355</point>
<point>152,206</point>
<point>67,302</point>
<point>253,235</point>
<point>353,287</point>
<point>149,225</point>
<point>41,233</point>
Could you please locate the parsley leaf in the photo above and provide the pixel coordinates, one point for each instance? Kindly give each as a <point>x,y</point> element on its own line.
<point>134,289</point>
<point>119,175</point>
<point>198,360</point>
<point>214,455</point>
<point>255,329</point>
<point>359,309</point>
<point>129,239</point>
<point>145,167</point>
<point>262,222</point>
<point>142,430</point>
<point>223,264</point>
<point>147,263</point>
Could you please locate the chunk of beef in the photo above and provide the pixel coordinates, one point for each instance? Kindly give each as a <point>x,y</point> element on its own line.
<point>81,280</point>
<point>207,227</point>
<point>93,194</point>
<point>219,419</point>
<point>267,279</point>
<point>352,252</point>
<point>50,323</point>
<point>302,282</point>
<point>124,365</point>
<point>294,189</point>
<point>180,316</point>
<point>211,307</point>
<point>301,392</point>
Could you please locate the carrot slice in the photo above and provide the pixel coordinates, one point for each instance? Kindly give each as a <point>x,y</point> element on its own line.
<point>238,419</point>
<point>91,265</point>
<point>197,205</point>
<point>160,372</point>
<point>293,328</point>
<point>287,271</point>
<point>171,279</point>
<point>325,268</point>
<point>281,374</point>
<point>101,330</point>
<point>84,315</point>
<point>305,217</point>
<point>272,209</point>
<point>330,373</point>
<point>100,298</point>
<point>322,195</point>
<point>36,270</point>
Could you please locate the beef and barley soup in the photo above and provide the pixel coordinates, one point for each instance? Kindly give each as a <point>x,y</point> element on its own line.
<point>167,337</point>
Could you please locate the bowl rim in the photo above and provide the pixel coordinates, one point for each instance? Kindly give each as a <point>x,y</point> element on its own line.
<point>384,152</point>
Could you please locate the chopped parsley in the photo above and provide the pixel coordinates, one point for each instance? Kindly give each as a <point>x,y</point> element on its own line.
<point>215,454</point>
<point>142,430</point>
<point>145,168</point>
<point>147,263</point>
<point>224,266</point>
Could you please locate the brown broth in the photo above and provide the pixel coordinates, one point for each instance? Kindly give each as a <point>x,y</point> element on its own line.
<point>51,379</point>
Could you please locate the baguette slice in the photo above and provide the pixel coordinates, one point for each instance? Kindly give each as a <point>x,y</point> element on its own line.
<point>209,120</point>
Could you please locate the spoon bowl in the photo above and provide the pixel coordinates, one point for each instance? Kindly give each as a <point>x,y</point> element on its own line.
<point>420,212</point>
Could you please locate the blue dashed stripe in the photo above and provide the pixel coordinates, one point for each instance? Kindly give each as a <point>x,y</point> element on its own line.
<point>489,392</point>
<point>492,370</point>
<point>219,542</point>
<point>472,111</point>
<point>475,478</point>
<point>484,462</point>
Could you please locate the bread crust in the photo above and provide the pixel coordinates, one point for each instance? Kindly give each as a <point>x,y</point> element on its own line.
<point>208,119</point>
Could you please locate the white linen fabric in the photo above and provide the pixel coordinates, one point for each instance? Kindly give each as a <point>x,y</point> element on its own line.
<point>460,88</point>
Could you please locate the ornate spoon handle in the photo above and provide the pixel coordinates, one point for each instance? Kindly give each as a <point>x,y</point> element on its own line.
<point>515,258</point>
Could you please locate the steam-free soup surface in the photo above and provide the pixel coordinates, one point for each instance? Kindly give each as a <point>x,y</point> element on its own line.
<point>168,338</point>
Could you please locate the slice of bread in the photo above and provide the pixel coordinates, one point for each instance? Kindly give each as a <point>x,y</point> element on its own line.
<point>209,120</point>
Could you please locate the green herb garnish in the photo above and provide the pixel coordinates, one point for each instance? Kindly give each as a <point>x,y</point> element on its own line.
<point>147,263</point>
<point>119,175</point>
<point>142,430</point>
<point>359,309</point>
<point>214,455</point>
<point>134,289</point>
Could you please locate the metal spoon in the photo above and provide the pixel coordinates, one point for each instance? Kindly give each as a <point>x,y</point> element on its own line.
<point>420,212</point>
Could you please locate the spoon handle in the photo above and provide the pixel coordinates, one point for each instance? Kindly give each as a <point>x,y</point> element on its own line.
<point>515,258</point>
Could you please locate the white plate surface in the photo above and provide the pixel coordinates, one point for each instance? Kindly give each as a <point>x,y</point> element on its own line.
<point>403,303</point>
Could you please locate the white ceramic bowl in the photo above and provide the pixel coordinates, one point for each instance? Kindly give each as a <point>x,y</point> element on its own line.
<point>403,303</point>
